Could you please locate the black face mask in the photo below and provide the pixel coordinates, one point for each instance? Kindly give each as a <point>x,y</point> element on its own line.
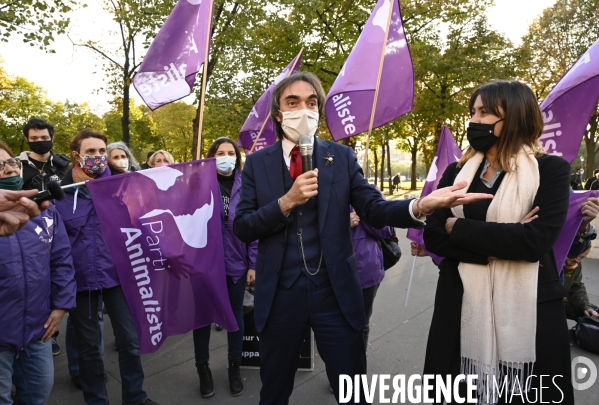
<point>40,147</point>
<point>480,136</point>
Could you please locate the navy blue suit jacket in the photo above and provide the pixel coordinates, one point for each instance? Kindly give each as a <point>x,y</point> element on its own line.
<point>340,184</point>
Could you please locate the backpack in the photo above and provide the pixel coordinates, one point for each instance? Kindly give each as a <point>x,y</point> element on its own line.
<point>586,334</point>
<point>391,251</point>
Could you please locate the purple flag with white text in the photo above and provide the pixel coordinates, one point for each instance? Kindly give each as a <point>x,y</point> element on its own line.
<point>176,55</point>
<point>261,113</point>
<point>448,152</point>
<point>568,108</point>
<point>350,101</point>
<point>573,222</point>
<point>163,229</point>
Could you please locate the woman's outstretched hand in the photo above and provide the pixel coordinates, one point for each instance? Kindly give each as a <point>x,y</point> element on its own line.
<point>448,197</point>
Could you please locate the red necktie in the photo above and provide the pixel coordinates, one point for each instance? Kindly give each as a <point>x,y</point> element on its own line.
<point>295,164</point>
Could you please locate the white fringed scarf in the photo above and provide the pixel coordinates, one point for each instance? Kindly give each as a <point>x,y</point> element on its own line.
<point>499,307</point>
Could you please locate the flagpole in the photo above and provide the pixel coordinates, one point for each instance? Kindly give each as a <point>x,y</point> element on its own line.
<point>410,283</point>
<point>203,94</point>
<point>268,116</point>
<point>378,85</point>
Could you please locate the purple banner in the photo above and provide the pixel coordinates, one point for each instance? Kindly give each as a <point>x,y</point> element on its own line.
<point>448,152</point>
<point>163,228</point>
<point>261,113</point>
<point>568,108</point>
<point>573,221</point>
<point>176,55</point>
<point>350,101</point>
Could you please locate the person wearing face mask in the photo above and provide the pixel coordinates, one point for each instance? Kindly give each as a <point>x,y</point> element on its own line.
<point>499,303</point>
<point>97,279</point>
<point>41,165</point>
<point>306,269</point>
<point>240,259</point>
<point>120,158</point>
<point>161,158</point>
<point>576,179</point>
<point>37,287</point>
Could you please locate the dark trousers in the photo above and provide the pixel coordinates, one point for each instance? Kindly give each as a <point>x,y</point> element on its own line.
<point>201,336</point>
<point>369,295</point>
<point>552,342</point>
<point>293,310</point>
<point>91,366</point>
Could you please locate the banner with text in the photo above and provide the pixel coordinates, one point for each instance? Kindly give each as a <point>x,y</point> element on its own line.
<point>163,227</point>
<point>568,108</point>
<point>169,69</point>
<point>349,103</point>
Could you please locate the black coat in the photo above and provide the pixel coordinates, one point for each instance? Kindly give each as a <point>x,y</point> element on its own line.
<point>473,241</point>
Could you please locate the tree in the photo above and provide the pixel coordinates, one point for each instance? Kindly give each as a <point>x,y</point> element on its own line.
<point>552,45</point>
<point>20,100</point>
<point>138,22</point>
<point>69,118</point>
<point>37,21</point>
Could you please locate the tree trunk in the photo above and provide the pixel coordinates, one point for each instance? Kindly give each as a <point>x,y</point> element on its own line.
<point>196,121</point>
<point>376,164</point>
<point>125,118</point>
<point>414,157</point>
<point>590,141</point>
<point>389,166</point>
<point>383,168</point>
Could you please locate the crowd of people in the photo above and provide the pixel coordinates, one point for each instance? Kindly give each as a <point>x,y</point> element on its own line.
<point>309,242</point>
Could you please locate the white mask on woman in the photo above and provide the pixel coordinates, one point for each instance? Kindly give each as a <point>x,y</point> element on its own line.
<point>122,163</point>
<point>298,123</point>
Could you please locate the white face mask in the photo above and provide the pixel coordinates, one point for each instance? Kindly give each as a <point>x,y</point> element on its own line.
<point>298,123</point>
<point>122,163</point>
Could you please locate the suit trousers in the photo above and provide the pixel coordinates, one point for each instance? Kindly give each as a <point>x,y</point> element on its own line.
<point>304,304</point>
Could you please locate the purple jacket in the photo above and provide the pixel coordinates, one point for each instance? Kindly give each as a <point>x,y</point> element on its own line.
<point>365,239</point>
<point>36,276</point>
<point>94,268</point>
<point>239,257</point>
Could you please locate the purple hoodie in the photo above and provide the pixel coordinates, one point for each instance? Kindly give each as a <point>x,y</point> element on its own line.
<point>239,257</point>
<point>36,276</point>
<point>369,256</point>
<point>94,268</point>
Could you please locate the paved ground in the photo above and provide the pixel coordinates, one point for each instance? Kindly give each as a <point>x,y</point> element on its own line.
<point>398,341</point>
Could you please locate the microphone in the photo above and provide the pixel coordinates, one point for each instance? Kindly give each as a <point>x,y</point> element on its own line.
<point>306,150</point>
<point>53,192</point>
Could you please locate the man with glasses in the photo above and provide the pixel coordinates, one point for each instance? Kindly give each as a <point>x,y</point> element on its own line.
<point>40,166</point>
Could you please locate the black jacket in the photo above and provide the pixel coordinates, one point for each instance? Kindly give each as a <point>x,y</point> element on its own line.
<point>474,241</point>
<point>54,170</point>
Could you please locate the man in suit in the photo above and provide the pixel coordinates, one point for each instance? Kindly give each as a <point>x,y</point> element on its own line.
<point>306,271</point>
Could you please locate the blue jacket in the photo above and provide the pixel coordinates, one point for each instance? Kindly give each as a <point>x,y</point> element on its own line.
<point>94,268</point>
<point>369,256</point>
<point>239,256</point>
<point>36,276</point>
<point>340,184</point>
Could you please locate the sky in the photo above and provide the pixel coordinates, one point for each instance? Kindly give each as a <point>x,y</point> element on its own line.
<point>75,73</point>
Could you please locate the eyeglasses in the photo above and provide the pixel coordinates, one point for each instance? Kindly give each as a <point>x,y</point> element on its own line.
<point>15,163</point>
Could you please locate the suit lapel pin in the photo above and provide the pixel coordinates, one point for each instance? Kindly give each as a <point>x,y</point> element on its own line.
<point>328,159</point>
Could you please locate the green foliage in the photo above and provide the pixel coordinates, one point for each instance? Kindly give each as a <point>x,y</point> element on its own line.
<point>37,21</point>
<point>552,45</point>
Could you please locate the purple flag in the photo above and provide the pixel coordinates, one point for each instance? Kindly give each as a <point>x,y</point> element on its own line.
<point>176,55</point>
<point>350,101</point>
<point>448,152</point>
<point>163,229</point>
<point>568,108</point>
<point>573,221</point>
<point>261,113</point>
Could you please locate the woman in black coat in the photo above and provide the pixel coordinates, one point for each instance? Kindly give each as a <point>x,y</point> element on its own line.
<point>506,122</point>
